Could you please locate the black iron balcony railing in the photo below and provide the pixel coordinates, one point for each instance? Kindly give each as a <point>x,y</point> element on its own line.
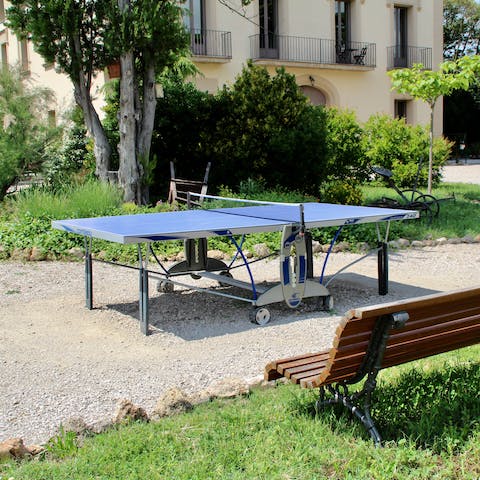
<point>405,56</point>
<point>211,43</point>
<point>312,50</point>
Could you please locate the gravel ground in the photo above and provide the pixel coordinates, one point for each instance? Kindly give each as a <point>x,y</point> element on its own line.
<point>58,360</point>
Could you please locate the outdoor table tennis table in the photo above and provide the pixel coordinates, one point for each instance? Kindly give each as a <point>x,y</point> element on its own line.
<point>194,227</point>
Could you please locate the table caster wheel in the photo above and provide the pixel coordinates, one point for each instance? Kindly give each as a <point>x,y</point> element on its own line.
<point>165,287</point>
<point>327,303</point>
<point>225,273</point>
<point>260,316</point>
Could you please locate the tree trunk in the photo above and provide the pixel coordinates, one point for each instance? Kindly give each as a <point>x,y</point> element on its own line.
<point>101,146</point>
<point>129,174</point>
<point>147,121</point>
<point>430,152</point>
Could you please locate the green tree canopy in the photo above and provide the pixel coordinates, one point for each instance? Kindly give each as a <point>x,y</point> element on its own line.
<point>461,28</point>
<point>24,132</point>
<point>429,85</point>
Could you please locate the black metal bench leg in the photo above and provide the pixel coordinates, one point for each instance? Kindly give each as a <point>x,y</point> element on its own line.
<point>349,403</point>
<point>382,268</point>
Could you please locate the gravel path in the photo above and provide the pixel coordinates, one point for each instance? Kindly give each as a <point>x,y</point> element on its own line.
<point>59,360</point>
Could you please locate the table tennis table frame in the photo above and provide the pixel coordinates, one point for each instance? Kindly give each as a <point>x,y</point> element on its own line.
<point>217,265</point>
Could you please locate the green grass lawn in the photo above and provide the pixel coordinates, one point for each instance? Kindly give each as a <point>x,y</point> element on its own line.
<point>427,411</point>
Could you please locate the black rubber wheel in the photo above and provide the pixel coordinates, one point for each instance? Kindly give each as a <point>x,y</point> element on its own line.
<point>225,273</point>
<point>165,287</point>
<point>260,316</point>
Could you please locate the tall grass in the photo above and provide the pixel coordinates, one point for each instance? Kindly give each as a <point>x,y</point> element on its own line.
<point>91,198</point>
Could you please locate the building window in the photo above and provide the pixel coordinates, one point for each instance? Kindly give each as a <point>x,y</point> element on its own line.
<point>401,109</point>
<point>4,53</point>
<point>24,55</point>
<point>268,15</point>
<point>400,59</point>
<point>52,118</point>
<point>342,22</point>
<point>194,20</point>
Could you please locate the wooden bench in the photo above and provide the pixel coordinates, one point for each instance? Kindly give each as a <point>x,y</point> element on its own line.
<point>381,336</point>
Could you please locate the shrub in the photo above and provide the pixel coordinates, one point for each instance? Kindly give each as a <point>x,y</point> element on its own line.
<point>338,191</point>
<point>65,162</point>
<point>346,157</point>
<point>298,154</point>
<point>393,144</point>
<point>24,133</point>
<point>254,114</point>
<point>184,116</point>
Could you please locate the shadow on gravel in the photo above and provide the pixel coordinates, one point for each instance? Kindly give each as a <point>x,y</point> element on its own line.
<point>193,315</point>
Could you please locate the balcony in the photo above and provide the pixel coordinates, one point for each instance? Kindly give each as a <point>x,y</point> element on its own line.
<point>316,51</point>
<point>405,56</point>
<point>211,44</point>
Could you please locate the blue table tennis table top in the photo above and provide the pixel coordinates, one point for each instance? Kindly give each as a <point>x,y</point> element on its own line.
<point>200,223</point>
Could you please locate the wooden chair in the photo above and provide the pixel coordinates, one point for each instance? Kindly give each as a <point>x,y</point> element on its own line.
<point>180,187</point>
<point>381,336</point>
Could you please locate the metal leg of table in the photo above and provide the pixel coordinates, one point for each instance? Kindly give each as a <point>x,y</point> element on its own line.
<point>382,268</point>
<point>143,292</point>
<point>88,277</point>
<point>309,254</point>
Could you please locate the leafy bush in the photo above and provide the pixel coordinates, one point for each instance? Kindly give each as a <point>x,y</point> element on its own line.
<point>346,158</point>
<point>184,116</point>
<point>338,191</point>
<point>65,162</point>
<point>297,155</point>
<point>259,130</point>
<point>400,147</point>
<point>24,133</point>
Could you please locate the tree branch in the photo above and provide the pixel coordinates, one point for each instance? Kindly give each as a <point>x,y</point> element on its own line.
<point>243,14</point>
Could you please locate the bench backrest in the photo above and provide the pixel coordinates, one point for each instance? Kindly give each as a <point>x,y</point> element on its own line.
<point>437,323</point>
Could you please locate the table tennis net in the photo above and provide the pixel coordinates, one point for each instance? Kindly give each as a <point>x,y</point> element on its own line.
<point>275,211</point>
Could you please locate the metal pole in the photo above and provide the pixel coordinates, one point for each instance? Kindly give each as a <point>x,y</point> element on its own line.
<point>143,292</point>
<point>88,274</point>
<point>382,268</point>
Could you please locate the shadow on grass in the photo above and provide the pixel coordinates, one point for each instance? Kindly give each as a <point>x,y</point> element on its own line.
<point>437,409</point>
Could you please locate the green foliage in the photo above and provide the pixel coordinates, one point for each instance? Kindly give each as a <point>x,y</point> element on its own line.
<point>297,155</point>
<point>338,191</point>
<point>346,157</point>
<point>182,109</point>
<point>461,28</point>
<point>62,445</point>
<point>24,134</point>
<point>255,112</point>
<point>394,144</point>
<point>53,26</point>
<point>67,160</point>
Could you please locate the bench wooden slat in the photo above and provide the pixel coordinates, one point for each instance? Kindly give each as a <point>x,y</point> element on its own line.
<point>407,334</point>
<point>418,318</point>
<point>276,369</point>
